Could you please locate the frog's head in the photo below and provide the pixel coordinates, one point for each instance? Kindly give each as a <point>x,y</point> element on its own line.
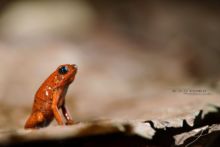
<point>65,74</point>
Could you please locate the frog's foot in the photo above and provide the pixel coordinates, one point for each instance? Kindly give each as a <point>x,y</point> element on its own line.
<point>70,122</point>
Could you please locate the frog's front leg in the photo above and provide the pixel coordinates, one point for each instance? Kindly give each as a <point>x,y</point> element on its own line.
<point>55,100</point>
<point>64,108</point>
<point>67,114</point>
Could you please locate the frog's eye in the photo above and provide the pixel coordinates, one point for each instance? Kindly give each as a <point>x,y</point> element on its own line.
<point>63,70</point>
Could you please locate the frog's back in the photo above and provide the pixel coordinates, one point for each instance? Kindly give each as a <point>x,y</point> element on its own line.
<point>44,95</point>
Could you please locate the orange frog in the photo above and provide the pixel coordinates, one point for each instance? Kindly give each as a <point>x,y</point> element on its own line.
<point>50,97</point>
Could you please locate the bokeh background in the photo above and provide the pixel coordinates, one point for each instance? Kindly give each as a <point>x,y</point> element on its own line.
<point>137,59</point>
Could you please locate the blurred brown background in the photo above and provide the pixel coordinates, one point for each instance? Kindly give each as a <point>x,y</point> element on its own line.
<point>136,59</point>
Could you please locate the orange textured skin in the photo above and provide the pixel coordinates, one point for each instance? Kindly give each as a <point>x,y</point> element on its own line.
<point>50,97</point>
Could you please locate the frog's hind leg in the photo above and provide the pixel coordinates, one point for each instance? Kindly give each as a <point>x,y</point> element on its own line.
<point>36,120</point>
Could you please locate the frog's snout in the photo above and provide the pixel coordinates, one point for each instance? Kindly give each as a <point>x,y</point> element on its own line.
<point>75,66</point>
